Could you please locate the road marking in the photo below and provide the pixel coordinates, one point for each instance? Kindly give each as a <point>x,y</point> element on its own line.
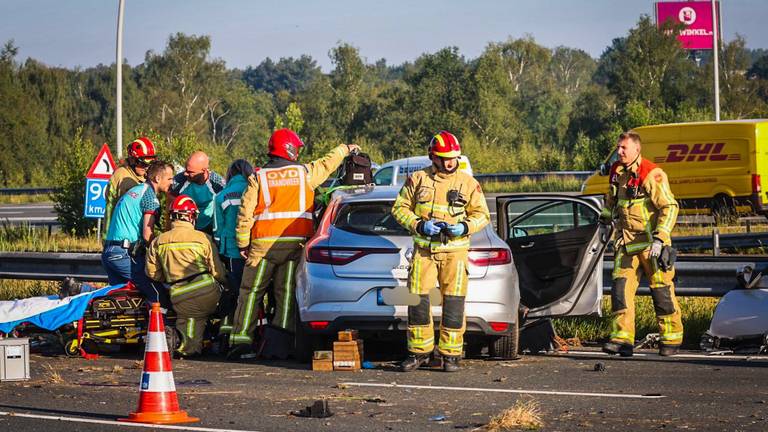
<point>676,356</point>
<point>26,207</point>
<point>28,219</point>
<point>117,423</point>
<point>492,390</point>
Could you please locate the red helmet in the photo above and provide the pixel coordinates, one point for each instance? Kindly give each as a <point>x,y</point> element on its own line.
<point>184,205</point>
<point>142,148</point>
<point>285,143</point>
<point>445,144</point>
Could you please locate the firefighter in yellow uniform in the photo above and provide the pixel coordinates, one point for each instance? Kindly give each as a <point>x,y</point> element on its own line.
<point>274,222</point>
<point>442,207</point>
<point>141,153</point>
<point>187,261</point>
<point>642,205</point>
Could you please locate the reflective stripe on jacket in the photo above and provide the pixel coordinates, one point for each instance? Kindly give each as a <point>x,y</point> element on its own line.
<point>425,196</point>
<point>649,214</point>
<point>184,259</point>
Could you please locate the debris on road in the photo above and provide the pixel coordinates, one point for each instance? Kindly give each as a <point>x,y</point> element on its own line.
<point>523,415</point>
<point>599,367</point>
<point>319,409</point>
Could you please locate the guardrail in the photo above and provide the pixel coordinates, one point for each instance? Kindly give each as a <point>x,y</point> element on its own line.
<point>696,275</point>
<point>539,175</point>
<point>26,191</point>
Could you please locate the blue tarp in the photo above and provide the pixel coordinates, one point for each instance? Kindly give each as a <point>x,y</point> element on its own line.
<point>49,312</point>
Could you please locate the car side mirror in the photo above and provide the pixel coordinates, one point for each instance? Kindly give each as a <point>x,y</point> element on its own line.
<point>604,169</point>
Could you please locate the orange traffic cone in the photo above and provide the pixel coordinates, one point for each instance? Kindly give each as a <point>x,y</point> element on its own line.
<point>158,403</point>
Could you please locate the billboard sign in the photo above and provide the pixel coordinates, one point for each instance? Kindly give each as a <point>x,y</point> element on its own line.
<point>697,18</point>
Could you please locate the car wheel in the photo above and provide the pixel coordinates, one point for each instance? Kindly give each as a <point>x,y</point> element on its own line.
<point>303,349</point>
<point>506,347</point>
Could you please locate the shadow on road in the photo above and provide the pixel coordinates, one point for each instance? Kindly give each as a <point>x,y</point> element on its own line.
<point>50,411</point>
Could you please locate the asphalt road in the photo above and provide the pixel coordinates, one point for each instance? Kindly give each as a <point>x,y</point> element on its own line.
<point>27,213</point>
<point>642,393</point>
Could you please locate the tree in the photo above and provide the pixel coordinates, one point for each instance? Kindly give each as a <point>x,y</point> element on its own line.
<point>288,74</point>
<point>69,177</point>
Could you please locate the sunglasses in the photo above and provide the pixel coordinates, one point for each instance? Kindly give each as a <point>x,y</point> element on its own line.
<point>145,161</point>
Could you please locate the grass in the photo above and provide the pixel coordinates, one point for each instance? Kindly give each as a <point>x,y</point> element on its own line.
<point>27,238</point>
<point>523,415</point>
<point>17,289</point>
<point>697,314</point>
<point>548,184</point>
<point>25,199</point>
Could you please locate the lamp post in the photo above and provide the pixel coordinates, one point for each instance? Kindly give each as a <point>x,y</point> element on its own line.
<point>119,80</point>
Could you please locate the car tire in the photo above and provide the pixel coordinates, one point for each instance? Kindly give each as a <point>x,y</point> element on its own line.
<point>305,343</point>
<point>506,347</point>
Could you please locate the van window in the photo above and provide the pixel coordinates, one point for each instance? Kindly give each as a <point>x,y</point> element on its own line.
<point>383,177</point>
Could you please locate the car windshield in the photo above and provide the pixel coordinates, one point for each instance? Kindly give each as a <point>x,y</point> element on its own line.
<point>369,218</point>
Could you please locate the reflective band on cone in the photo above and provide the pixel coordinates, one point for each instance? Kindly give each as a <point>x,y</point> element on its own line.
<point>158,403</point>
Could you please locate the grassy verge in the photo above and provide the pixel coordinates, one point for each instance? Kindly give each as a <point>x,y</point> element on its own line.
<point>25,199</point>
<point>697,314</point>
<point>548,184</point>
<point>18,289</point>
<point>18,238</point>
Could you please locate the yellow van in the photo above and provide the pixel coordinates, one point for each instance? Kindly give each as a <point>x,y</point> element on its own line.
<point>713,167</point>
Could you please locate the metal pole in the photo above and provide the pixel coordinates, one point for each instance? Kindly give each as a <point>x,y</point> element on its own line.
<point>715,38</point>
<point>98,229</point>
<point>119,81</point>
<point>715,241</point>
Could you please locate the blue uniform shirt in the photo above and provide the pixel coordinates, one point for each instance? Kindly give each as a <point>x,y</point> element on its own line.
<point>202,194</point>
<point>129,212</point>
<point>226,207</point>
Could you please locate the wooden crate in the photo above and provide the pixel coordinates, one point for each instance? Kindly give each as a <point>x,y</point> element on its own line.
<point>348,356</point>
<point>348,335</point>
<point>322,365</point>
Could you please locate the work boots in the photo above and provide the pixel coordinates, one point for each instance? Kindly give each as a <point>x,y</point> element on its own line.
<point>451,363</point>
<point>622,349</point>
<point>668,350</point>
<point>413,362</point>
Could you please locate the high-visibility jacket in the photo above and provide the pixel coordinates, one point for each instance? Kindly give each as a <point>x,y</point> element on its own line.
<point>425,197</point>
<point>647,214</point>
<point>123,179</point>
<point>277,205</point>
<point>285,204</point>
<point>185,259</point>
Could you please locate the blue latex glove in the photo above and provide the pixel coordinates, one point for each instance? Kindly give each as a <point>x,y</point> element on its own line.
<point>457,230</point>
<point>430,228</point>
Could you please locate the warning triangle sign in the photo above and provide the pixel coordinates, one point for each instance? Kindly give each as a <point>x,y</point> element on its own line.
<point>103,166</point>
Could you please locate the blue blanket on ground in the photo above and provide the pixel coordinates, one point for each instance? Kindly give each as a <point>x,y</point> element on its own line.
<point>48,312</point>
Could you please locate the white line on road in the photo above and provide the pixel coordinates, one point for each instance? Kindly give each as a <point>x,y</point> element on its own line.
<point>28,219</point>
<point>117,423</point>
<point>519,391</point>
<point>676,356</point>
<point>26,207</point>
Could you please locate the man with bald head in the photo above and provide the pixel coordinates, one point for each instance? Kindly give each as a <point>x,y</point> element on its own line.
<point>201,184</point>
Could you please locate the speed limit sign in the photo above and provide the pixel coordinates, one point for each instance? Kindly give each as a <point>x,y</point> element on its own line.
<point>95,198</point>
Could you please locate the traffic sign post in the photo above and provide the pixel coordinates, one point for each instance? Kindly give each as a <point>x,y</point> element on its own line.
<point>96,182</point>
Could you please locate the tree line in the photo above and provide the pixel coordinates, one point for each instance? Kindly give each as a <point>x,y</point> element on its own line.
<point>519,106</point>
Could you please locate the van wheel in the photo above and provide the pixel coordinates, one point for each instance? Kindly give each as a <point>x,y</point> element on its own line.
<point>506,347</point>
<point>724,210</point>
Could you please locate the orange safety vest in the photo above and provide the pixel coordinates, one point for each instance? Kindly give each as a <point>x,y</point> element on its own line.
<point>285,206</point>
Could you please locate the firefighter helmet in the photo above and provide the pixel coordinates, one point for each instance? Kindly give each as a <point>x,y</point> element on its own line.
<point>142,148</point>
<point>285,143</point>
<point>445,144</point>
<point>184,207</point>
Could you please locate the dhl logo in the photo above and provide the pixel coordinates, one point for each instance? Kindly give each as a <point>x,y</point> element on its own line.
<point>698,152</point>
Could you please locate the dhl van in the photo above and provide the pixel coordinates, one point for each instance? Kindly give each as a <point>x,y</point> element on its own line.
<point>713,167</point>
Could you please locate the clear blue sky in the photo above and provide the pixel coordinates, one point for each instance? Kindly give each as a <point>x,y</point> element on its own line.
<point>244,32</point>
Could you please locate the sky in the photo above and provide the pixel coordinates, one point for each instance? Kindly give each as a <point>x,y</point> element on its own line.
<point>82,33</point>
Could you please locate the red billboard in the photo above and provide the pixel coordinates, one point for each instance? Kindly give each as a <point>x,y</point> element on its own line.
<point>697,18</point>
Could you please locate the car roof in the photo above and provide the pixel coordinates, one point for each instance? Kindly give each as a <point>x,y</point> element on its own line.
<point>377,193</point>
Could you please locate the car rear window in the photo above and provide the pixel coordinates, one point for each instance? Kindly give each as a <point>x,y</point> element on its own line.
<point>369,219</point>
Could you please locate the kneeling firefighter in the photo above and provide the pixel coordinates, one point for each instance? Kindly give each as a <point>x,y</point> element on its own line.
<point>442,207</point>
<point>187,262</point>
